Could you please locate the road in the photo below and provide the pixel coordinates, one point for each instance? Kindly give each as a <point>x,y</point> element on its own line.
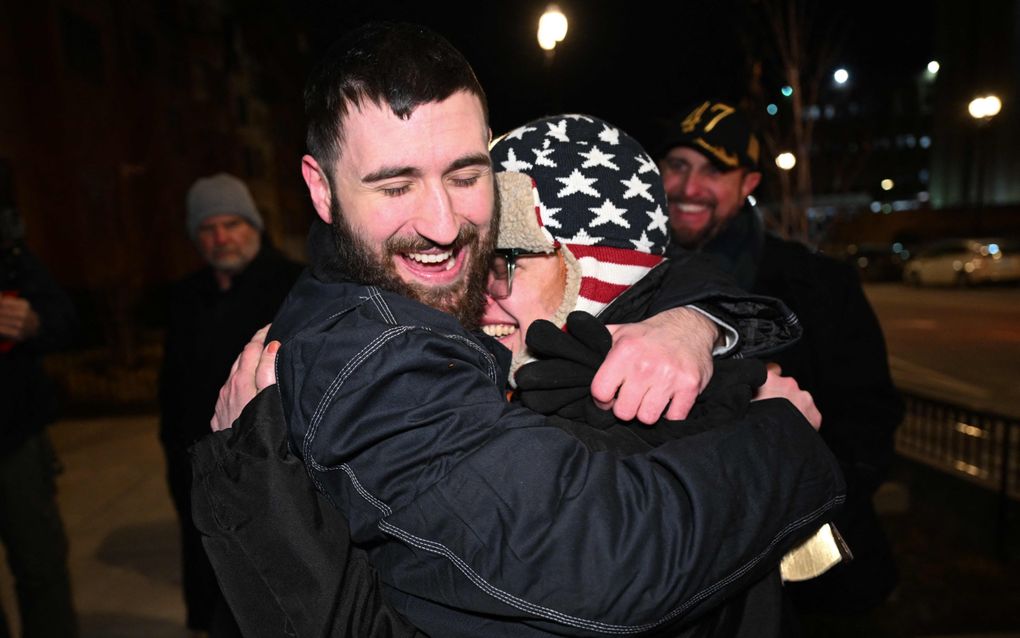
<point>959,345</point>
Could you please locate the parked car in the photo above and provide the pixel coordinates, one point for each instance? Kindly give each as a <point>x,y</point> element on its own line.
<point>964,262</point>
<point>876,262</point>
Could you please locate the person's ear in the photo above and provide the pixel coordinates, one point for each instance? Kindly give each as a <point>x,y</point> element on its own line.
<point>318,187</point>
<point>749,183</point>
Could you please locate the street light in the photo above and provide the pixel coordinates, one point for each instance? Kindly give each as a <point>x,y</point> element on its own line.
<point>786,160</point>
<point>887,184</point>
<point>552,28</point>
<point>984,108</point>
<point>841,76</point>
<point>933,67</point>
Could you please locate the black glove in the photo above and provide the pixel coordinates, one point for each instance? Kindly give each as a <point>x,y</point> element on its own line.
<point>560,381</point>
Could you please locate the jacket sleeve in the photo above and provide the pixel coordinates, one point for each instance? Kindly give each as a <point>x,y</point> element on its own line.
<point>472,503</point>
<point>762,324</point>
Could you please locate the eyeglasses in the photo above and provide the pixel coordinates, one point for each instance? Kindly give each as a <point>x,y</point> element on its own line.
<point>501,270</point>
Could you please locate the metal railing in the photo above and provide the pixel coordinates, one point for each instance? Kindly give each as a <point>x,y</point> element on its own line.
<point>980,447</point>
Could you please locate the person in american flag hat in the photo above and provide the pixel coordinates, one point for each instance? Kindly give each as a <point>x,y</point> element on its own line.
<point>582,220</point>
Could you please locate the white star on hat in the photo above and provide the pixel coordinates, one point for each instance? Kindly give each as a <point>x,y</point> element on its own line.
<point>513,164</point>
<point>644,244</point>
<point>547,214</point>
<point>636,188</point>
<point>608,213</point>
<point>542,157</point>
<point>558,131</point>
<point>595,157</point>
<point>659,220</point>
<point>610,135</point>
<point>518,133</point>
<point>577,183</point>
<point>577,116</point>
<point>646,164</point>
<point>584,239</point>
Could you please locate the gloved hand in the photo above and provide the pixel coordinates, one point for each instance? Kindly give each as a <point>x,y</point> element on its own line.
<point>560,381</point>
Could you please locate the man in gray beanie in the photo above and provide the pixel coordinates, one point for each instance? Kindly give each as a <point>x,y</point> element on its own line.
<point>212,313</point>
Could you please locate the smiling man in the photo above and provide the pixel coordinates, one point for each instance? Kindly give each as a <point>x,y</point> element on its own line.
<point>710,164</point>
<point>481,517</point>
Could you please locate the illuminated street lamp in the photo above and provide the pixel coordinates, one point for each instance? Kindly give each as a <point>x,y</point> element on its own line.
<point>841,76</point>
<point>984,108</point>
<point>786,160</point>
<point>887,184</point>
<point>933,67</point>
<point>552,28</point>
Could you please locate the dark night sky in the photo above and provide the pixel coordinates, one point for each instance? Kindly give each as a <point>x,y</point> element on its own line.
<point>625,61</point>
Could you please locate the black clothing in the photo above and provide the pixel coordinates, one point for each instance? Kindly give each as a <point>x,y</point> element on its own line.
<point>456,414</point>
<point>484,519</point>
<point>206,329</point>
<point>302,579</point>
<point>28,397</point>
<point>30,523</point>
<point>841,360</point>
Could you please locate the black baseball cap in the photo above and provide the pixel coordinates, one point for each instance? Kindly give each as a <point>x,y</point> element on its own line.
<point>720,131</point>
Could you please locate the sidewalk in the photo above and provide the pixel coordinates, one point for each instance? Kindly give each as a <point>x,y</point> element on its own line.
<point>124,546</point>
<point>124,554</point>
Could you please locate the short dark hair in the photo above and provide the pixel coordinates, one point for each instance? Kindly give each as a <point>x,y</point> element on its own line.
<point>401,65</point>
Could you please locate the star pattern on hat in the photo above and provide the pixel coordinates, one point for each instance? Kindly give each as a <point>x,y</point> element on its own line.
<point>610,135</point>
<point>636,188</point>
<point>584,239</point>
<point>542,157</point>
<point>558,131</point>
<point>607,213</point>
<point>646,164</point>
<point>643,244</point>
<point>596,157</point>
<point>511,163</point>
<point>548,214</point>
<point>659,220</point>
<point>577,183</point>
<point>518,133</point>
<point>578,116</point>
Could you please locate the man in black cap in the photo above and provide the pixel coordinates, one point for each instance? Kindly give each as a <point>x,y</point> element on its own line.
<point>710,165</point>
<point>212,313</point>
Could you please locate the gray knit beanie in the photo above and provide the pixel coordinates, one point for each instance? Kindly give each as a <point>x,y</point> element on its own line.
<point>220,194</point>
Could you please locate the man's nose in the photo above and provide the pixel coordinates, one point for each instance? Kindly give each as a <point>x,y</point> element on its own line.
<point>438,221</point>
<point>220,235</point>
<point>691,185</point>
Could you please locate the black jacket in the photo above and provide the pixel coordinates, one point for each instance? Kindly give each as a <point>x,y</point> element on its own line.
<point>206,330</point>
<point>27,395</point>
<point>482,518</point>
<point>841,360</point>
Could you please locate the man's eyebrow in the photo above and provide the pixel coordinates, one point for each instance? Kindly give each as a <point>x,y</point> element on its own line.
<point>388,172</point>
<point>476,159</point>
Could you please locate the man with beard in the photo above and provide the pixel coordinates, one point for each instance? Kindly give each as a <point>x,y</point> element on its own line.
<point>211,314</point>
<point>709,164</point>
<point>481,517</point>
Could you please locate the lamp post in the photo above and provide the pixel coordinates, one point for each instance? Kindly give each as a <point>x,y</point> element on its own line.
<point>982,109</point>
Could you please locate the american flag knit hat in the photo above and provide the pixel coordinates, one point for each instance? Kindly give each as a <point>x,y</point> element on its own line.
<point>578,183</point>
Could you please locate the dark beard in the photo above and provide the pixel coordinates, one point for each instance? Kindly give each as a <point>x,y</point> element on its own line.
<point>464,299</point>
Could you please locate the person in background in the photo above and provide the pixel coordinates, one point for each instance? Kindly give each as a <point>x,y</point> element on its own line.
<point>36,317</point>
<point>212,313</point>
<point>709,161</point>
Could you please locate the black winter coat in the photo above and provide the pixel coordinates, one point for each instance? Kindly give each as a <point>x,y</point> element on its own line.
<point>27,395</point>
